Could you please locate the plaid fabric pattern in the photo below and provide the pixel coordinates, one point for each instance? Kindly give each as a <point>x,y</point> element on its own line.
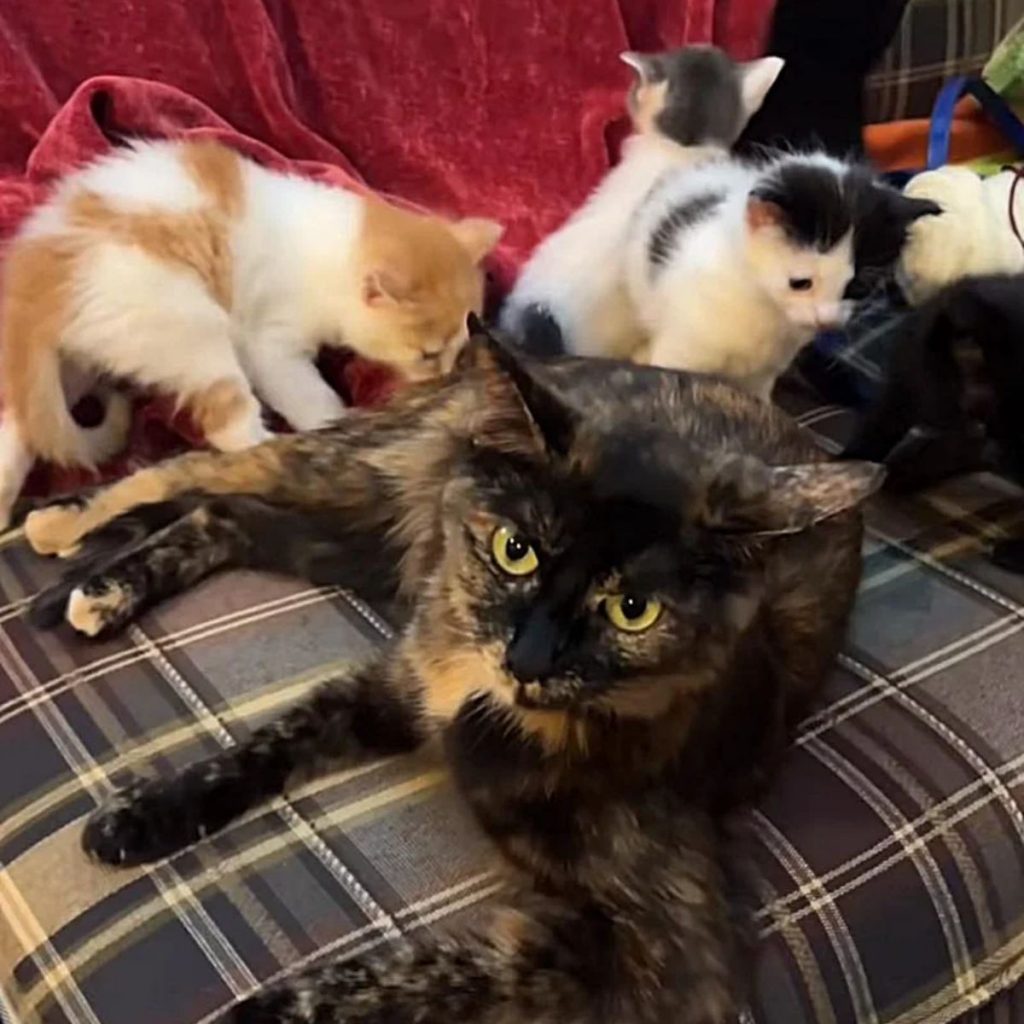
<point>936,40</point>
<point>847,366</point>
<point>889,857</point>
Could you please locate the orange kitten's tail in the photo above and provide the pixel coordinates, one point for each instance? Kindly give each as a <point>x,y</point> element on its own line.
<point>34,398</point>
<point>37,278</point>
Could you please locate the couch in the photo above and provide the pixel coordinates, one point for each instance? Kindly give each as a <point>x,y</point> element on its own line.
<point>889,856</point>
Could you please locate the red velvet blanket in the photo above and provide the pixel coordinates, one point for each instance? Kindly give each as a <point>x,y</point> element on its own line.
<point>511,109</point>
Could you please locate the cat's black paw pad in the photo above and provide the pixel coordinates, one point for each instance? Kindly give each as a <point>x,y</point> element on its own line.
<point>99,605</point>
<point>268,1008</point>
<point>1009,555</point>
<point>139,824</point>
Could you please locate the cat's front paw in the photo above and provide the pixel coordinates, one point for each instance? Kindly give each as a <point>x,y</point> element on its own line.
<point>54,530</point>
<point>144,822</point>
<point>99,605</point>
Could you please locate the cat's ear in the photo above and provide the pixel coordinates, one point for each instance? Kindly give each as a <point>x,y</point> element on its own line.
<point>386,286</point>
<point>477,235</point>
<point>553,421</point>
<point>746,496</point>
<point>645,66</point>
<point>756,79</point>
<point>764,213</point>
<point>907,209</point>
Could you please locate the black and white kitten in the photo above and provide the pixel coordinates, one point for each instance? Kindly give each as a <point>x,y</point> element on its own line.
<point>687,106</point>
<point>733,267</point>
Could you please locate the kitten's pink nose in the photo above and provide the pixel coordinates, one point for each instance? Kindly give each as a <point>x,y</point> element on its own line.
<point>829,316</point>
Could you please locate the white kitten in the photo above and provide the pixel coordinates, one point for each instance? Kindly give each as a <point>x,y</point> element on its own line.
<point>973,236</point>
<point>733,267</point>
<point>688,106</point>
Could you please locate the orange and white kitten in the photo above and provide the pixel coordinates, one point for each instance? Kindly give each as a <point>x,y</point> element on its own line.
<point>189,269</point>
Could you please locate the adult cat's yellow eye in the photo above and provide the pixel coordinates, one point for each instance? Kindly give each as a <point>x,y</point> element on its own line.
<point>513,553</point>
<point>630,613</point>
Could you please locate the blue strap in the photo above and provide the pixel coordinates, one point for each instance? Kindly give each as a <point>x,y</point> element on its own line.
<point>991,102</point>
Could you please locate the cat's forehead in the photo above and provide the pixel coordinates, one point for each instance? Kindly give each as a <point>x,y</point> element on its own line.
<point>702,96</point>
<point>818,195</point>
<point>626,488</point>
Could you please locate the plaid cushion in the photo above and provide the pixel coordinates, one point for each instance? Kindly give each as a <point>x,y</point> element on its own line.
<point>936,40</point>
<point>889,855</point>
<point>846,366</point>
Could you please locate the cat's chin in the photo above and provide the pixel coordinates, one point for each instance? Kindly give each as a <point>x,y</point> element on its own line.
<point>549,696</point>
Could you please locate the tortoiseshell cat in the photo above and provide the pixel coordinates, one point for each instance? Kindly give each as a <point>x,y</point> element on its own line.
<point>624,585</point>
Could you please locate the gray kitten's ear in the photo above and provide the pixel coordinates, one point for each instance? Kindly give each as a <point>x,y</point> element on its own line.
<point>646,67</point>
<point>746,496</point>
<point>756,79</point>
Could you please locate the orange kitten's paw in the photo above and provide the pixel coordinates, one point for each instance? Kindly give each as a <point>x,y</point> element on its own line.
<point>54,530</point>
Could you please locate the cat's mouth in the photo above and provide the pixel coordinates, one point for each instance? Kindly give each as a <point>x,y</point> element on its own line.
<point>551,695</point>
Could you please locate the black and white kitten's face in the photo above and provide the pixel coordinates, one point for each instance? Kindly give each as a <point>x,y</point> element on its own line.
<point>613,571</point>
<point>821,232</point>
<point>697,95</point>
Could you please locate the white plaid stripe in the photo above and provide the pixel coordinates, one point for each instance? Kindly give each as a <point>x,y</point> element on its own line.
<point>933,823</point>
<point>208,720</point>
<point>194,917</point>
<point>919,855</point>
<point>840,938</point>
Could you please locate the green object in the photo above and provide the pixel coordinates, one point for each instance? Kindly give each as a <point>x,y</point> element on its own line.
<point>992,163</point>
<point>1004,71</point>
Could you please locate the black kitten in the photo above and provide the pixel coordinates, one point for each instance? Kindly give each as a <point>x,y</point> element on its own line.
<point>829,47</point>
<point>953,398</point>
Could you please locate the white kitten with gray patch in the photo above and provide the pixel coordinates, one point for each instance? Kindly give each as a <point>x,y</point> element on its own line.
<point>688,106</point>
<point>734,267</point>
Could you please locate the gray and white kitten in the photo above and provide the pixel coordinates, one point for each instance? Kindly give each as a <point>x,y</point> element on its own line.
<point>688,106</point>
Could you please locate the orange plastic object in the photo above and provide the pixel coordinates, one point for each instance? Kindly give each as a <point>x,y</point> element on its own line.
<point>903,145</point>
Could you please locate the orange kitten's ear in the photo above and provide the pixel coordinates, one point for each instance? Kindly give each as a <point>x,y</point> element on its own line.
<point>477,235</point>
<point>386,288</point>
<point>763,213</point>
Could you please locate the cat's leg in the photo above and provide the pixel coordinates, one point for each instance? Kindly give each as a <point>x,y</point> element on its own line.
<point>229,414</point>
<point>545,965</point>
<point>371,714</point>
<point>16,460</point>
<point>201,536</point>
<point>154,321</point>
<point>651,941</point>
<point>291,384</point>
<point>268,469</point>
<point>102,550</point>
<point>170,561</point>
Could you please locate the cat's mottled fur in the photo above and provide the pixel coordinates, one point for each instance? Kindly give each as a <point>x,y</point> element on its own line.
<point>531,514</point>
<point>184,267</point>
